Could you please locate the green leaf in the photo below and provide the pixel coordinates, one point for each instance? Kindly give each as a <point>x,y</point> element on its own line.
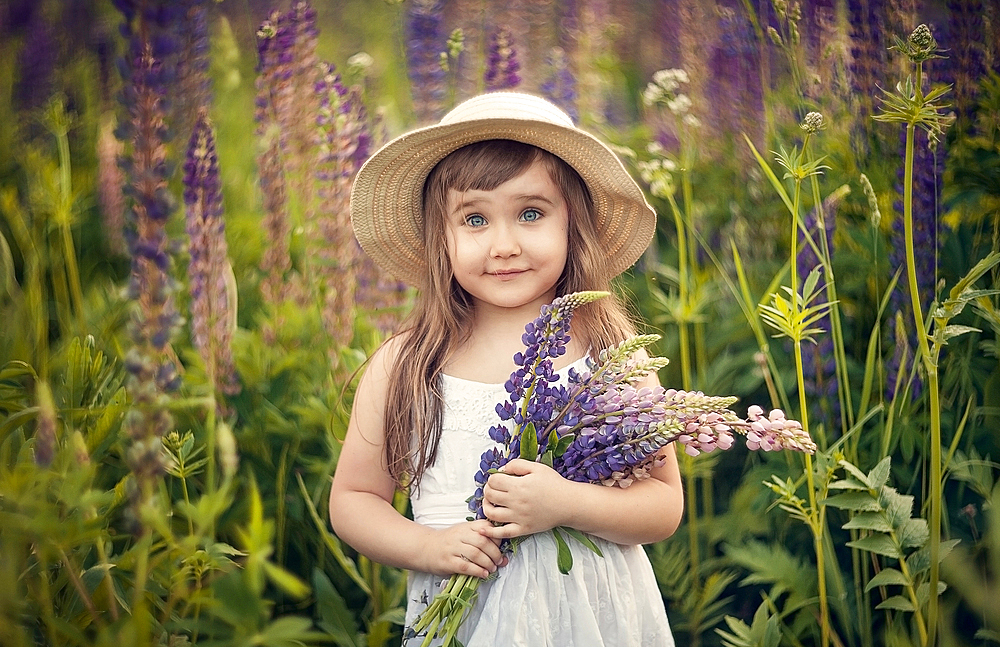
<point>878,544</point>
<point>564,557</point>
<point>529,442</point>
<point>896,603</point>
<point>913,533</point>
<point>334,615</point>
<point>775,182</point>
<point>988,634</point>
<point>7,280</point>
<point>850,484</point>
<point>290,631</point>
<point>286,581</point>
<point>887,577</point>
<point>857,501</point>
<point>860,476</point>
<point>925,587</point>
<point>955,330</point>
<point>898,507</point>
<point>331,541</point>
<point>583,539</point>
<point>396,616</point>
<point>874,521</point>
<point>981,268</point>
<point>563,445</point>
<point>879,475</point>
<point>920,560</point>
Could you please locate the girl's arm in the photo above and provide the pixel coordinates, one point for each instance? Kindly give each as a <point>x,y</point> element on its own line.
<point>530,497</point>
<point>361,510</point>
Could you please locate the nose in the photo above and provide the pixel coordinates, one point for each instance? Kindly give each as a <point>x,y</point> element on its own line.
<point>504,243</point>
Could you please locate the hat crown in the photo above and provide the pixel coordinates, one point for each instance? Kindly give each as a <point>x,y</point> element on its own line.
<point>507,105</point>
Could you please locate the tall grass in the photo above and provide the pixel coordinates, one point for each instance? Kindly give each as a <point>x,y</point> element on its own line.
<point>134,513</point>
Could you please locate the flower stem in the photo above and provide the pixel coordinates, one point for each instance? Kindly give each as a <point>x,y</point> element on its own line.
<point>816,518</point>
<point>930,365</point>
<point>690,482</point>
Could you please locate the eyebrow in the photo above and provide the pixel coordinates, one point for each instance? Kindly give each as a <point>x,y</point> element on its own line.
<point>528,197</point>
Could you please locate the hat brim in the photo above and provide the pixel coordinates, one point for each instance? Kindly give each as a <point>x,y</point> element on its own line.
<point>387,195</point>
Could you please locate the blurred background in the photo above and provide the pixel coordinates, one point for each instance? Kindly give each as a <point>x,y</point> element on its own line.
<point>184,311</point>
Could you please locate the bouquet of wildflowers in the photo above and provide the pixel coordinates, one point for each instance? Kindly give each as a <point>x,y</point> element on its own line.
<point>597,428</point>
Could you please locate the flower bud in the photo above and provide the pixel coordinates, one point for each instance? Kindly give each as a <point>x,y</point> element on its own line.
<point>813,122</point>
<point>45,430</point>
<point>921,38</point>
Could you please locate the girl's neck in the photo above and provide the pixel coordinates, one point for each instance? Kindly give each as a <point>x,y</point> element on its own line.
<point>487,355</point>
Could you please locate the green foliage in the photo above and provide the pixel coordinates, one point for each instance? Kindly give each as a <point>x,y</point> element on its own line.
<point>890,530</point>
<point>764,631</point>
<point>235,547</point>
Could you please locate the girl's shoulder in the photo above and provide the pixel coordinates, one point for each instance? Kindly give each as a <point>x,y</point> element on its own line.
<point>387,356</point>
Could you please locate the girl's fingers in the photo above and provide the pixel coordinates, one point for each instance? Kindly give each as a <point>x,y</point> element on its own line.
<point>477,562</point>
<point>504,531</point>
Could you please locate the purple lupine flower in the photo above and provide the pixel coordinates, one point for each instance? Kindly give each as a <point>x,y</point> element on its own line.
<point>340,124</point>
<point>868,60</point>
<point>300,122</point>
<point>600,427</point>
<point>152,375</point>
<point>560,85</point>
<point>193,86</point>
<point>45,426</point>
<point>37,61</point>
<point>285,109</point>
<point>992,35</point>
<point>733,87</point>
<point>425,40</point>
<point>272,108</point>
<point>208,270</point>
<point>501,62</point>
<point>927,170</point>
<point>818,16</point>
<point>964,66</point>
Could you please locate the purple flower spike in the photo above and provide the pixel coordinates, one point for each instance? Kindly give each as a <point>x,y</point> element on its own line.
<point>208,269</point>
<point>502,66</point>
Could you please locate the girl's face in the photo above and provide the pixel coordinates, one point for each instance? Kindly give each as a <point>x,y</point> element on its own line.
<point>508,246</point>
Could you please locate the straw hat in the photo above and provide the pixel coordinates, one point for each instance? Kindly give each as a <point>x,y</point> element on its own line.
<point>386,200</point>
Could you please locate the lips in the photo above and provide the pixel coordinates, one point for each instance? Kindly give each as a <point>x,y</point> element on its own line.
<point>507,274</point>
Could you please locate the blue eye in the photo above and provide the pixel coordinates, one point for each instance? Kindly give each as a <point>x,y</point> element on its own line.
<point>531,215</point>
<point>475,220</point>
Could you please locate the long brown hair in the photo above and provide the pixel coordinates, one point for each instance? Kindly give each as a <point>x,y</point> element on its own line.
<point>442,315</point>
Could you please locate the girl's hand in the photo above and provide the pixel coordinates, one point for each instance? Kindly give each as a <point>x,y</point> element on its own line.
<point>464,548</point>
<point>525,497</point>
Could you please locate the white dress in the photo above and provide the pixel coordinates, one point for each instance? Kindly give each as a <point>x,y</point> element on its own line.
<point>609,601</point>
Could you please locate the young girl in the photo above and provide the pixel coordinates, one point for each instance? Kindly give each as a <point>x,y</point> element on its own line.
<point>492,213</point>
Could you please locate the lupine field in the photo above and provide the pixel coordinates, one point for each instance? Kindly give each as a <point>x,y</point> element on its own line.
<point>184,312</point>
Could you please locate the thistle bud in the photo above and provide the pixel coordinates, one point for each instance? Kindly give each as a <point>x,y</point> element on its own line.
<point>813,122</point>
<point>921,38</point>
<point>920,46</point>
